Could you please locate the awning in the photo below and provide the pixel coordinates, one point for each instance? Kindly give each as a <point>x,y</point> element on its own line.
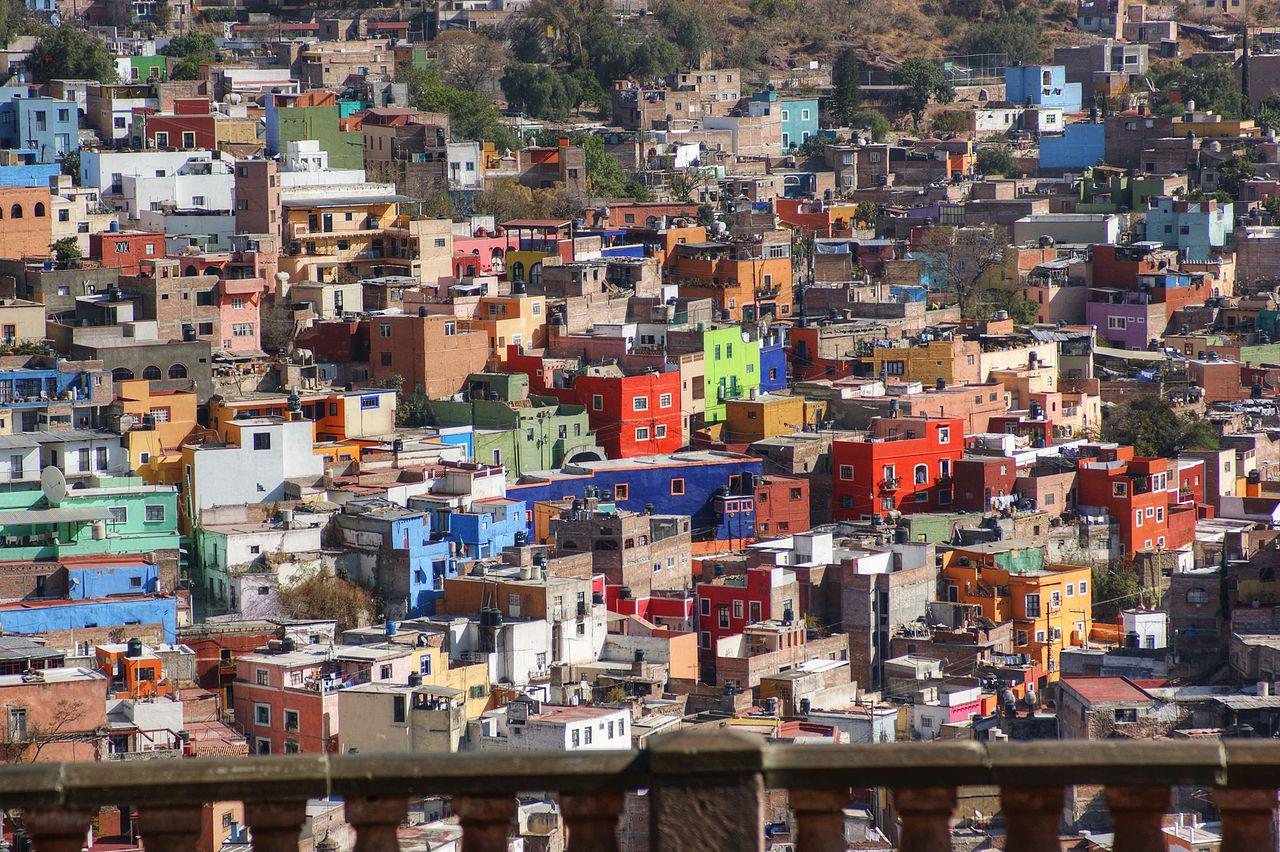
<point>55,516</point>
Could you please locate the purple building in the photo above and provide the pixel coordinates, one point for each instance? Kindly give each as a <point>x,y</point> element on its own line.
<point>1124,319</point>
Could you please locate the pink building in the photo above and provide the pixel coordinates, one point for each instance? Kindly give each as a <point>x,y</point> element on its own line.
<point>482,254</point>
<point>286,701</point>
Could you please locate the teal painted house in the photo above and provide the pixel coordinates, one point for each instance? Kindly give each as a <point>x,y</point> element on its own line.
<point>799,115</point>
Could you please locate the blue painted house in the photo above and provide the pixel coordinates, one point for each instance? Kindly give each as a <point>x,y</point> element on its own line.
<point>386,539</point>
<point>25,617</point>
<point>27,170</point>
<point>686,483</point>
<point>799,115</point>
<point>773,359</point>
<point>1078,146</point>
<point>1195,228</point>
<point>46,126</point>
<point>1042,86</point>
<point>100,581</point>
<point>481,532</point>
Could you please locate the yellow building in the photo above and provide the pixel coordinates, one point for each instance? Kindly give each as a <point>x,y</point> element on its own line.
<point>518,320</point>
<point>751,420</point>
<point>953,360</point>
<point>1051,606</point>
<point>471,678</point>
<point>337,415</point>
<point>161,422</point>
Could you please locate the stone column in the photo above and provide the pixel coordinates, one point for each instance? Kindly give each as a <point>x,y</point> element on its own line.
<point>486,821</point>
<point>57,829</point>
<point>1137,814</point>
<point>1033,815</point>
<point>591,819</point>
<point>375,821</point>
<point>926,818</point>
<point>174,828</point>
<point>1248,817</point>
<point>275,826</point>
<point>820,819</point>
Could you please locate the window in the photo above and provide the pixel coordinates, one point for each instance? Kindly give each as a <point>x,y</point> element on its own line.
<point>944,434</point>
<point>154,514</point>
<point>597,402</point>
<point>1032,606</point>
<point>367,402</point>
<point>1197,596</point>
<point>397,709</point>
<point>640,403</point>
<point>664,401</point>
<point>724,616</point>
<point>384,330</point>
<point>677,486</point>
<point>575,738</point>
<point>620,492</point>
<point>262,440</point>
<point>1137,518</point>
<point>262,714</point>
<point>291,747</point>
<point>260,677</point>
<point>450,329</point>
<point>642,433</point>
<point>291,721</point>
<point>922,474</point>
<point>424,664</point>
<point>385,672</point>
<point>846,472</point>
<point>706,606</point>
<point>118,514</point>
<point>1071,590</point>
<point>17,723</point>
<point>1084,586</point>
<point>83,456</point>
<point>660,431</point>
<point>15,467</point>
<point>1119,489</point>
<point>1115,323</point>
<point>1055,599</point>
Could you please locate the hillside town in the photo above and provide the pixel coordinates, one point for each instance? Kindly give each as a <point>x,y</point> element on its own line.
<point>444,380</point>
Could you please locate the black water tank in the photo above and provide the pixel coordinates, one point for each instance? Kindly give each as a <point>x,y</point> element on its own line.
<point>415,679</point>
<point>521,539</point>
<point>422,311</point>
<point>288,645</point>
<point>134,648</point>
<point>901,535</point>
<point>188,332</point>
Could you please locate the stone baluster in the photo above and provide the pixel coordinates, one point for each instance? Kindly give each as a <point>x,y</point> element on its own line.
<point>925,813</point>
<point>57,829</point>
<point>592,819</point>
<point>171,829</point>
<point>275,825</point>
<point>706,792</point>
<point>1137,814</point>
<point>1033,816</point>
<point>820,819</point>
<point>375,821</point>
<point>1248,817</point>
<point>486,821</point>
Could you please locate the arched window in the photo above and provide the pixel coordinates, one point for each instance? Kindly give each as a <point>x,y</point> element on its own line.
<point>535,274</point>
<point>39,211</point>
<point>178,371</point>
<point>190,270</point>
<point>121,374</point>
<point>1197,595</point>
<point>16,212</point>
<point>922,474</point>
<point>152,372</point>
<point>517,271</point>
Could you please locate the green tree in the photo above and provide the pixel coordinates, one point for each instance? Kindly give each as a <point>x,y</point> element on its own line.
<point>70,163</point>
<point>540,91</point>
<point>997,160</point>
<point>923,82</point>
<point>16,19</point>
<point>162,15</point>
<point>1235,170</point>
<point>1018,35</point>
<point>846,96</point>
<point>472,115</point>
<point>590,91</point>
<point>1213,86</point>
<point>1116,586</point>
<point>1153,428</point>
<point>872,122</point>
<point>526,43</point>
<point>686,25</point>
<point>814,145</point>
<point>605,177</point>
<point>571,26</point>
<point>67,248</point>
<point>72,53</point>
<point>654,58</point>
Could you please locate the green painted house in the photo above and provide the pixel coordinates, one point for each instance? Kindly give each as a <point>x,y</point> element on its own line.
<point>124,515</point>
<point>731,359</point>
<point>515,429</point>
<point>144,68</point>
<point>288,121</point>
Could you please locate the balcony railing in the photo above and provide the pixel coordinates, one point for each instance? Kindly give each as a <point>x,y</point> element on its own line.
<point>890,483</point>
<point>705,791</point>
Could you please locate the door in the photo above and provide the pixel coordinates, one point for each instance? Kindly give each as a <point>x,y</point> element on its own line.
<point>328,222</point>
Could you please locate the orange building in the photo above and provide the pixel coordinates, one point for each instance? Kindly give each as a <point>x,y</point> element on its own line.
<point>25,221</point>
<point>745,280</point>
<point>1051,606</point>
<point>337,415</point>
<point>135,671</point>
<point>159,422</point>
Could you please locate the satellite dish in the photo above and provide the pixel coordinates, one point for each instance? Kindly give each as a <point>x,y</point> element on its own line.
<point>53,484</point>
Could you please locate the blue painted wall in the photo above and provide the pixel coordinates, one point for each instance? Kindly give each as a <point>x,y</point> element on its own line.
<point>77,615</point>
<point>773,360</point>
<point>1042,85</point>
<point>653,485</point>
<point>35,175</point>
<point>1080,146</point>
<point>101,582</point>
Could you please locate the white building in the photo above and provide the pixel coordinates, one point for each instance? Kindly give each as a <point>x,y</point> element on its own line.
<point>528,724</point>
<point>201,183</point>
<point>465,171</point>
<point>107,169</point>
<point>270,452</point>
<point>1150,628</point>
<point>521,653</point>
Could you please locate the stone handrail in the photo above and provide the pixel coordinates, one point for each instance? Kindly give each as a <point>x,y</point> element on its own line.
<point>705,791</point>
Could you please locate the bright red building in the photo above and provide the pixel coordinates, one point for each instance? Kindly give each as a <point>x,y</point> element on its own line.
<point>632,415</point>
<point>906,464</point>
<point>125,250</point>
<point>191,125</point>
<point>1139,495</point>
<point>782,506</point>
<point>728,604</point>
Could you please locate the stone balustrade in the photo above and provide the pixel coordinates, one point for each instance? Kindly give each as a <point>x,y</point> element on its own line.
<point>706,791</point>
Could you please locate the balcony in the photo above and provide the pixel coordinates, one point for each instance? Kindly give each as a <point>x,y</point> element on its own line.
<point>890,483</point>
<point>706,791</point>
